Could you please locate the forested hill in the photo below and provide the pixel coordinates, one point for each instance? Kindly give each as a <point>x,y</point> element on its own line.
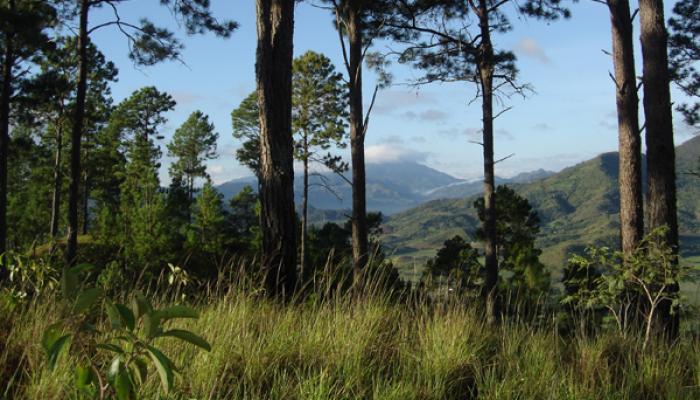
<point>577,206</point>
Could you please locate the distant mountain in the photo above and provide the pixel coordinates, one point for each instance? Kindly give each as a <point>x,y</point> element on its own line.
<point>462,189</point>
<point>577,206</point>
<point>391,187</point>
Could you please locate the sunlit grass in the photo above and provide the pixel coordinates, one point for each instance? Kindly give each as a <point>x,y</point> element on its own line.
<point>373,348</point>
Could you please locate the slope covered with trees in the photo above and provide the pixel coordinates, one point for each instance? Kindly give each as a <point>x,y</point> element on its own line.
<point>577,206</point>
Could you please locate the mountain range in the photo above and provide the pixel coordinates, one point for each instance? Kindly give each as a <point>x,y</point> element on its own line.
<point>577,206</point>
<point>391,187</point>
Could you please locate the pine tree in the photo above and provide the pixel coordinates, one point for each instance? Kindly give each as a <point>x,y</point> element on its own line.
<point>630,142</point>
<point>246,128</point>
<point>318,113</point>
<point>661,157</point>
<point>207,232</point>
<point>145,231</point>
<point>361,22</point>
<point>457,263</point>
<point>23,26</point>
<point>192,145</point>
<point>50,97</point>
<point>273,73</point>
<point>684,54</point>
<point>29,187</point>
<point>244,220</point>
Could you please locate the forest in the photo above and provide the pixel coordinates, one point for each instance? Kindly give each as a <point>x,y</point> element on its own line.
<point>121,281</point>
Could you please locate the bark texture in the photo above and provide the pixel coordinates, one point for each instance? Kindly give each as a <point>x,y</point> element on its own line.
<point>627,102</point>
<point>661,159</point>
<point>76,137</point>
<point>275,25</point>
<point>486,71</point>
<point>360,247</point>
<point>305,213</point>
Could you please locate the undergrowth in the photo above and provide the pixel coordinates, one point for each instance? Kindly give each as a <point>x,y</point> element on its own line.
<point>368,347</point>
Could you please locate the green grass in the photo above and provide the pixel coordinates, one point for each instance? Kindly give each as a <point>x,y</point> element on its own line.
<point>372,348</point>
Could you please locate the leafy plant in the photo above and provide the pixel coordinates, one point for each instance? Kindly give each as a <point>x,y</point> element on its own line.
<point>649,276</point>
<point>28,276</point>
<point>114,344</point>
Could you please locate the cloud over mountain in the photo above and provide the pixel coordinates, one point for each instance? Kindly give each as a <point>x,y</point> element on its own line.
<point>384,153</point>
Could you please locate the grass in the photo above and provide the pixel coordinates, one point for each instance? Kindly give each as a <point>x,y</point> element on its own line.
<point>371,348</point>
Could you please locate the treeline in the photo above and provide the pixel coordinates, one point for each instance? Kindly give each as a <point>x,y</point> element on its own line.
<point>73,162</point>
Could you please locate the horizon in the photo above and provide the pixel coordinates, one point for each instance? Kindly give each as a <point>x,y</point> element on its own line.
<point>471,180</point>
<point>435,122</point>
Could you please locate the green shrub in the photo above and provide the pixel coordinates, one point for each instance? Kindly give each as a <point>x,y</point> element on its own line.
<point>95,326</point>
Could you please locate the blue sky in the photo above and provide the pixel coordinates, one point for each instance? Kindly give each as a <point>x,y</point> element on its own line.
<point>569,118</point>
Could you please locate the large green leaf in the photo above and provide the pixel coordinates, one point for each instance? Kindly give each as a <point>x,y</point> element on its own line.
<point>126,315</point>
<point>83,376</point>
<point>86,299</point>
<point>110,347</point>
<point>178,311</point>
<point>140,304</point>
<point>122,385</point>
<point>187,336</point>
<point>56,349</point>
<point>51,334</point>
<point>118,378</point>
<point>151,325</point>
<point>113,370</point>
<point>164,367</point>
<point>140,370</point>
<point>113,314</point>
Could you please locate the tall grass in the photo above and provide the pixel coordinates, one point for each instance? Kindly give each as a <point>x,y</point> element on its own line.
<point>369,346</point>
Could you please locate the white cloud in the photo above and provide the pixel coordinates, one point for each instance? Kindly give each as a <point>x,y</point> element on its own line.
<point>529,47</point>
<point>383,153</point>
<point>216,169</point>
<point>221,173</point>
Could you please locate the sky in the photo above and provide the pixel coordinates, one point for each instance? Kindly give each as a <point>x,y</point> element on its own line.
<point>569,118</point>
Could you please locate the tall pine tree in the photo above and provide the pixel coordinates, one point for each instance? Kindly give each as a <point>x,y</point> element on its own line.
<point>192,145</point>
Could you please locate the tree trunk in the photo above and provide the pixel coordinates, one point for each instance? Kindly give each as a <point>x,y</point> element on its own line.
<point>661,169</point>
<point>5,97</point>
<point>275,25</point>
<point>357,143</point>
<point>76,137</point>
<point>486,70</point>
<point>304,212</point>
<point>630,165</point>
<point>86,204</point>
<point>57,183</point>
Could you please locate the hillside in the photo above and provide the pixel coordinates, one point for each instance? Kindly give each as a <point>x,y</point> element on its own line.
<point>577,206</point>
